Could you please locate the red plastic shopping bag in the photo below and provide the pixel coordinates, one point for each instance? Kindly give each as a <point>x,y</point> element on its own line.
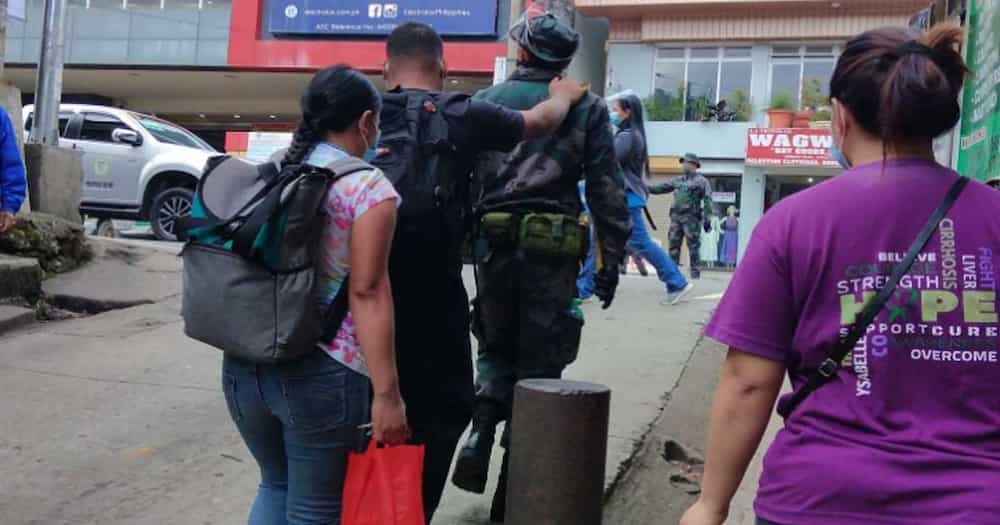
<point>383,486</point>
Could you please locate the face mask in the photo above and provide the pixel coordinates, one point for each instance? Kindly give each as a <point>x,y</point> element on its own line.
<point>838,156</point>
<point>616,119</point>
<point>373,149</point>
<point>689,169</point>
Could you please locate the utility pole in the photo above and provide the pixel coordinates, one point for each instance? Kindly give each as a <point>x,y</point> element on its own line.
<point>48,94</point>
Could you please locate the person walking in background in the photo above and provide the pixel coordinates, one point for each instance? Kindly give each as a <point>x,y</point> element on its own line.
<point>13,182</point>
<point>730,237</point>
<point>632,153</point>
<point>531,243</point>
<point>585,281</point>
<point>691,212</point>
<point>906,429</point>
<point>299,418</point>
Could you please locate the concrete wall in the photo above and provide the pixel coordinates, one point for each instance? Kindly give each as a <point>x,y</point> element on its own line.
<point>55,176</point>
<point>591,60</point>
<point>711,140</point>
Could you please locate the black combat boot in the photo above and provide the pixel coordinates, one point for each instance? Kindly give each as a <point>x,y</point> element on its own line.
<point>498,511</point>
<point>473,464</point>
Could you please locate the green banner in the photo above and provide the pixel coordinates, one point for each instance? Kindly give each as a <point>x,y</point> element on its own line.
<point>979,155</point>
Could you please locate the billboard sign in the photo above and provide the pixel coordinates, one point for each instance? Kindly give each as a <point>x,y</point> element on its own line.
<point>979,147</point>
<point>380,17</point>
<point>262,145</point>
<point>790,148</point>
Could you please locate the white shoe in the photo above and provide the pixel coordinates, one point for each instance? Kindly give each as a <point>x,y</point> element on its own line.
<point>675,297</point>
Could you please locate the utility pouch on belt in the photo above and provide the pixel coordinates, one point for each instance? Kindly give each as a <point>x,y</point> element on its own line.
<point>499,229</point>
<point>552,235</point>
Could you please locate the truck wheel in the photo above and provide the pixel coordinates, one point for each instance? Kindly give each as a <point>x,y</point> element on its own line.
<point>106,228</point>
<point>168,206</point>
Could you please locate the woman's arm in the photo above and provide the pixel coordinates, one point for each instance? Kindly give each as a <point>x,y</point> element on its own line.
<point>372,310</point>
<point>747,390</point>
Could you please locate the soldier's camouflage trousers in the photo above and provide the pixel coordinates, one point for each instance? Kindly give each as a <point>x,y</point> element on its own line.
<point>523,321</point>
<point>686,226</point>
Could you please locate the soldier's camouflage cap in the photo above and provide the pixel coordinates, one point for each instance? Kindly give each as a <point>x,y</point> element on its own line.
<point>691,157</point>
<point>547,39</point>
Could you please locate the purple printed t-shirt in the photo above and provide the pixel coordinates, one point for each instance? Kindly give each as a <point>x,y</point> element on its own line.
<point>909,430</point>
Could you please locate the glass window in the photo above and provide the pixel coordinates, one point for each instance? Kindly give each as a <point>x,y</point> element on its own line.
<point>702,88</point>
<point>168,133</point>
<point>145,4</point>
<point>64,118</point>
<point>819,51</point>
<point>736,76</point>
<point>669,94</point>
<point>98,127</point>
<point>737,52</point>
<point>785,79</point>
<point>704,52</point>
<point>786,51</point>
<point>688,81</point>
<point>670,52</point>
<point>820,71</point>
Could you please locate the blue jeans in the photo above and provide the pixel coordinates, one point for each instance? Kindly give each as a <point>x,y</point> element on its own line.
<point>299,420</point>
<point>585,282</point>
<point>641,244</point>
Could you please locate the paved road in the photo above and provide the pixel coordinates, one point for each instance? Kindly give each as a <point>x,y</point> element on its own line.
<point>118,419</point>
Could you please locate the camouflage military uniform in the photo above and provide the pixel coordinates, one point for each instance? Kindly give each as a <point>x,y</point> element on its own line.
<point>692,208</point>
<point>529,244</point>
<point>523,319</point>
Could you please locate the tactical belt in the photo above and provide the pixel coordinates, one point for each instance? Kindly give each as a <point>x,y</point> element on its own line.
<point>541,234</point>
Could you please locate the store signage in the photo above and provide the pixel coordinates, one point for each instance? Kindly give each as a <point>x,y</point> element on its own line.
<point>262,145</point>
<point>790,147</point>
<point>365,17</point>
<point>979,151</point>
<point>724,197</point>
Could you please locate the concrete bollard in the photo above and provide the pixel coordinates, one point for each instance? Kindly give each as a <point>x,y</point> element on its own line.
<point>559,448</point>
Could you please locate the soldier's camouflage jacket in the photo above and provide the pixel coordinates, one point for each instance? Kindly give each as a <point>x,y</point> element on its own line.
<point>551,168</point>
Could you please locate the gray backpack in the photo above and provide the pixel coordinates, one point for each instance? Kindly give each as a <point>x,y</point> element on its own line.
<point>249,260</point>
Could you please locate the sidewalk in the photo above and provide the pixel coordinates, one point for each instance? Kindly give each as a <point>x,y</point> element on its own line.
<point>639,349</point>
<point>118,418</point>
<point>646,495</point>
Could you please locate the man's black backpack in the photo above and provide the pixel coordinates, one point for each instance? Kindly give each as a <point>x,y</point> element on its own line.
<point>418,156</point>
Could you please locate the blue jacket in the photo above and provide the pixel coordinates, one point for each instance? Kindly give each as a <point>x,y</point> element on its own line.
<point>13,184</point>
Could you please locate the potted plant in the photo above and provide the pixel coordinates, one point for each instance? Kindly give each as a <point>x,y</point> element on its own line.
<point>780,114</point>
<point>741,106</point>
<point>822,119</point>
<point>812,100</point>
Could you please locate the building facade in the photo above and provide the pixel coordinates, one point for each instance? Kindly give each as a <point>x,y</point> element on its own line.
<point>224,65</point>
<point>683,57</point>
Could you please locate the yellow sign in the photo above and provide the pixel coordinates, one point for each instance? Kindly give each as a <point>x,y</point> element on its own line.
<point>665,165</point>
<point>102,168</point>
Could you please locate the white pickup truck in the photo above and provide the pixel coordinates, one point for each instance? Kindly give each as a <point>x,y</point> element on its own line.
<point>135,167</point>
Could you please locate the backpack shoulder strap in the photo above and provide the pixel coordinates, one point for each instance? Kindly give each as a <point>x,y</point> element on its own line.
<point>339,308</point>
<point>827,370</point>
<point>346,166</point>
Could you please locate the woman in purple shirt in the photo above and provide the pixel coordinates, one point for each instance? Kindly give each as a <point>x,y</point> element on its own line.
<point>908,429</point>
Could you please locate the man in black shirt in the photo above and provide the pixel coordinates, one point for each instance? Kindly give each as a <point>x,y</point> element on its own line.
<point>433,348</point>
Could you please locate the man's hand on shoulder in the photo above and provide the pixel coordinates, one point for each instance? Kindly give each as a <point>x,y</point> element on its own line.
<point>568,89</point>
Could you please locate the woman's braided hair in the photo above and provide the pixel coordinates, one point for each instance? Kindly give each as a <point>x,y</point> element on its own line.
<point>335,98</point>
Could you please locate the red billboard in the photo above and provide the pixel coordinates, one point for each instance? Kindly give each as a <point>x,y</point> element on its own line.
<point>803,147</point>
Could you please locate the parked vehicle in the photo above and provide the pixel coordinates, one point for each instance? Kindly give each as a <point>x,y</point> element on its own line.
<point>135,166</point>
